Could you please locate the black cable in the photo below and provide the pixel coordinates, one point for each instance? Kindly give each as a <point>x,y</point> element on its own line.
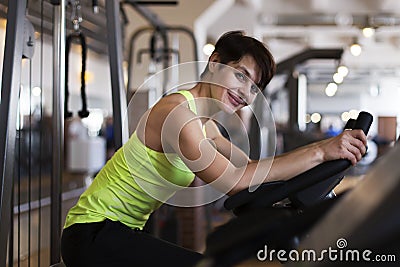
<point>83,113</point>
<point>67,114</point>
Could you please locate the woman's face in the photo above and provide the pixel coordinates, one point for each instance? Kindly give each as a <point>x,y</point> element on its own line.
<point>234,85</point>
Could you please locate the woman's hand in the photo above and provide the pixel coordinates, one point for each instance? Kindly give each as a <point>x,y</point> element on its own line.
<point>350,144</point>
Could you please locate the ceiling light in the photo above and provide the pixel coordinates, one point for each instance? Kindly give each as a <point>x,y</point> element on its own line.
<point>343,70</point>
<point>208,49</point>
<point>331,89</point>
<point>355,49</point>
<point>308,118</point>
<point>374,90</point>
<point>315,117</point>
<point>345,116</point>
<point>353,113</point>
<point>368,32</point>
<point>337,78</point>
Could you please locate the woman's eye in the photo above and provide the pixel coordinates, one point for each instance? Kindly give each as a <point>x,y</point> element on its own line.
<point>240,76</point>
<point>254,89</point>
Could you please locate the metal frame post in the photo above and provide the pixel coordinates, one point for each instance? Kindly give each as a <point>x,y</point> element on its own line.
<point>119,101</point>
<point>58,128</point>
<point>8,110</point>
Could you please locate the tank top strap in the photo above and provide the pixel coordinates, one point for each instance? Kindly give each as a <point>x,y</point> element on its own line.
<point>192,105</point>
<point>190,99</point>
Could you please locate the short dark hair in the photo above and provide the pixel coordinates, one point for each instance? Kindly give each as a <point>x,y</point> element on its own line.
<point>233,45</point>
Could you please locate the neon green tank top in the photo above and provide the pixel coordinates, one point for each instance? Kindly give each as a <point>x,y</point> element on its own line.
<point>132,184</point>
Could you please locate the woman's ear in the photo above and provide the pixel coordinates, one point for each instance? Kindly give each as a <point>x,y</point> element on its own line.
<point>213,62</point>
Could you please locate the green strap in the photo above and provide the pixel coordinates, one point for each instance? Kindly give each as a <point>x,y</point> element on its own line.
<point>192,105</point>
<point>190,99</point>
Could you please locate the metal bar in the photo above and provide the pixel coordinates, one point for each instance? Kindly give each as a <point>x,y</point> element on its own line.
<point>165,60</point>
<point>156,2</point>
<point>95,40</point>
<point>45,202</point>
<point>39,244</point>
<point>117,80</point>
<point>159,26</point>
<point>292,85</point>
<point>131,61</point>
<point>58,128</point>
<point>20,134</point>
<point>11,237</point>
<point>193,38</point>
<point>92,25</point>
<point>8,106</point>
<point>168,29</point>
<point>146,13</point>
<point>290,63</point>
<point>30,165</point>
<point>292,81</point>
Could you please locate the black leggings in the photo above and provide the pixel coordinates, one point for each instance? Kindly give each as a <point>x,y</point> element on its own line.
<point>114,244</point>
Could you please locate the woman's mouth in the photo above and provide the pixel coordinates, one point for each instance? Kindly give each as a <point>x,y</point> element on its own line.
<point>235,99</point>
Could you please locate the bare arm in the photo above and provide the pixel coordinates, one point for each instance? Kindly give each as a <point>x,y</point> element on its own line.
<point>183,132</point>
<point>225,147</point>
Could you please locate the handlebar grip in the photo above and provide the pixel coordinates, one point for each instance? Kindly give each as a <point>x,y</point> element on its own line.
<point>349,124</point>
<point>363,122</point>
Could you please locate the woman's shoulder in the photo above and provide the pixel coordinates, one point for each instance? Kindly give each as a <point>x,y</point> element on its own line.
<point>168,114</point>
<point>176,97</point>
<point>169,102</point>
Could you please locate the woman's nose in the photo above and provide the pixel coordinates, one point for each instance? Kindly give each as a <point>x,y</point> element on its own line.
<point>244,92</point>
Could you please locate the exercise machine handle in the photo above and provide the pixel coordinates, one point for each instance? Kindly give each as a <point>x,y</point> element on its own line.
<point>363,122</point>
<point>349,124</point>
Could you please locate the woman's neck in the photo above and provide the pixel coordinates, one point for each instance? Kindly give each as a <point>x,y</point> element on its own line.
<point>205,104</point>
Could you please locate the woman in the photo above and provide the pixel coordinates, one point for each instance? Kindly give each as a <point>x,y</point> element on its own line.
<point>174,141</point>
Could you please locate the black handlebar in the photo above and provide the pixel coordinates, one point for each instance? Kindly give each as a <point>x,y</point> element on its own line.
<point>350,124</point>
<point>363,122</point>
